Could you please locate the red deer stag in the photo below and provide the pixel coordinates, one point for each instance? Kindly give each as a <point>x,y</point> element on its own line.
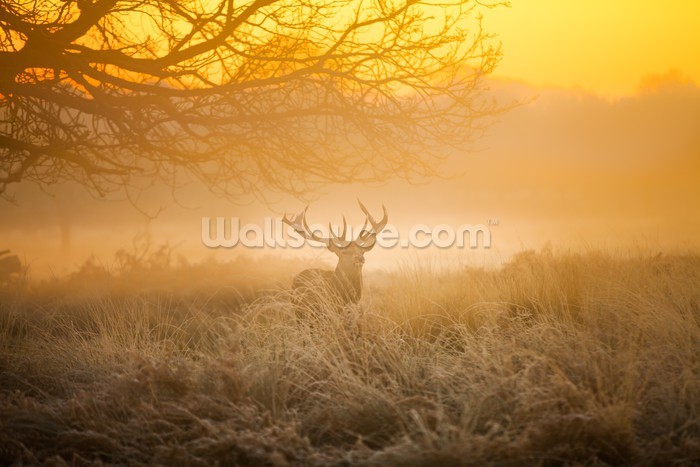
<point>344,285</point>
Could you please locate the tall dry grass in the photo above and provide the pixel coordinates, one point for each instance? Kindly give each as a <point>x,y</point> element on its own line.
<point>552,359</point>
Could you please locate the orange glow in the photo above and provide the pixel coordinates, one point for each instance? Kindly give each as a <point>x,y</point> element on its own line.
<point>307,232</point>
<point>602,46</point>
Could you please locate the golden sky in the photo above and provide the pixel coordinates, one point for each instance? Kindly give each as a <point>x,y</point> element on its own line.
<point>603,46</point>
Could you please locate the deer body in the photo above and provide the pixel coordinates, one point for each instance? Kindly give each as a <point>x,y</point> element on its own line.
<point>338,287</point>
<point>344,285</point>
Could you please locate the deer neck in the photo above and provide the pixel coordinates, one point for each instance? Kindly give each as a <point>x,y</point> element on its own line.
<point>351,280</point>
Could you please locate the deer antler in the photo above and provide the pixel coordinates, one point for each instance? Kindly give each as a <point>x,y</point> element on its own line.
<point>368,237</point>
<point>300,226</point>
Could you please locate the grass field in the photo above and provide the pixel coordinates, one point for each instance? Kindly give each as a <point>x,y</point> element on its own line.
<point>552,359</point>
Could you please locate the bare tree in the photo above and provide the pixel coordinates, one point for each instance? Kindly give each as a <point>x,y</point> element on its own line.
<point>246,96</point>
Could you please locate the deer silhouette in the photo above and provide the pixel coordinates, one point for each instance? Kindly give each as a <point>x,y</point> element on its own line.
<point>344,284</point>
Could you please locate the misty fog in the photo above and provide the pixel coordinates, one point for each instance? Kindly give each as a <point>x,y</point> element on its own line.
<point>564,167</point>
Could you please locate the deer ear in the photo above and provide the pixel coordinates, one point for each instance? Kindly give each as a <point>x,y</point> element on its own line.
<point>334,248</point>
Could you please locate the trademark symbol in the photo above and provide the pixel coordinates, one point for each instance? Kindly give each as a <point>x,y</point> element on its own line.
<point>493,221</point>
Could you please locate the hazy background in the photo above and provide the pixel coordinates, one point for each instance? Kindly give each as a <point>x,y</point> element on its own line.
<point>602,151</point>
<point>567,167</point>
